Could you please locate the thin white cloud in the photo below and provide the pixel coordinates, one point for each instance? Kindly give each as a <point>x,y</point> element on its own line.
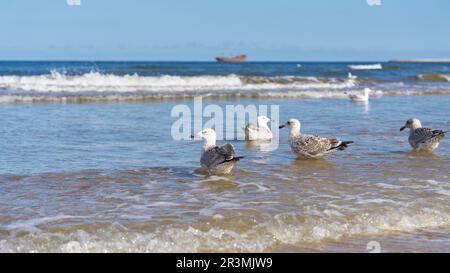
<point>374,2</point>
<point>73,2</point>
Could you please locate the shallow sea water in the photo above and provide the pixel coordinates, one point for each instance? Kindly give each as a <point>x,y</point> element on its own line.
<point>108,177</point>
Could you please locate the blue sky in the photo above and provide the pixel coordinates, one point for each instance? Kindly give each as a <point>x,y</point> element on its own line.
<point>296,30</point>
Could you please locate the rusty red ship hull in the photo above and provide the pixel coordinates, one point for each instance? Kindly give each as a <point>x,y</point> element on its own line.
<point>237,59</point>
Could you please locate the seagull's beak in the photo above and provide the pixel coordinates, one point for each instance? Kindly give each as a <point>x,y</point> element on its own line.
<point>281,126</point>
<point>403,128</point>
<point>199,134</point>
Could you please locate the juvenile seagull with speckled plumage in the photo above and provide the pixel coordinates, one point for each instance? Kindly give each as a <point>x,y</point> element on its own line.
<point>425,139</point>
<point>216,159</point>
<point>308,146</point>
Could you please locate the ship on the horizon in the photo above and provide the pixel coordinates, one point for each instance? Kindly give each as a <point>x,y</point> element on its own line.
<point>237,59</point>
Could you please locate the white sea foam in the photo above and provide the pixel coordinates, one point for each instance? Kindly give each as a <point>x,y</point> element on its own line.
<point>98,82</point>
<point>282,229</point>
<point>31,225</point>
<point>97,87</point>
<point>365,66</point>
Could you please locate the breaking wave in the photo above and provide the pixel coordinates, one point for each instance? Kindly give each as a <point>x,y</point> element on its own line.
<point>366,66</point>
<point>90,87</point>
<point>433,77</point>
<point>282,230</point>
<point>98,82</point>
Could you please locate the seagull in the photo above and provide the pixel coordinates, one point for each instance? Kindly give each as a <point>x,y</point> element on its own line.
<point>308,146</point>
<point>351,77</point>
<point>360,97</point>
<point>217,160</point>
<point>260,132</point>
<point>422,138</point>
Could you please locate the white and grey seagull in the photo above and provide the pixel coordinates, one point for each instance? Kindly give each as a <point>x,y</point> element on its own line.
<point>215,159</point>
<point>364,97</point>
<point>260,131</point>
<point>425,139</point>
<point>308,146</point>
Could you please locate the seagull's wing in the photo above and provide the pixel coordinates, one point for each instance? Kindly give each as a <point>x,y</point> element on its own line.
<point>310,145</point>
<point>250,130</point>
<point>320,144</point>
<point>250,127</point>
<point>227,151</point>
<point>423,135</point>
<point>352,96</point>
<point>315,145</point>
<point>217,155</point>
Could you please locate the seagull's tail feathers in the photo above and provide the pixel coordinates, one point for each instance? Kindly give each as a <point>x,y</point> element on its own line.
<point>343,145</point>
<point>234,159</point>
<point>439,134</point>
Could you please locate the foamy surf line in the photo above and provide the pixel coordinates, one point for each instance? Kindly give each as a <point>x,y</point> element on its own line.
<point>97,87</point>
<point>366,66</point>
<point>98,82</point>
<point>285,229</point>
<point>143,97</point>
